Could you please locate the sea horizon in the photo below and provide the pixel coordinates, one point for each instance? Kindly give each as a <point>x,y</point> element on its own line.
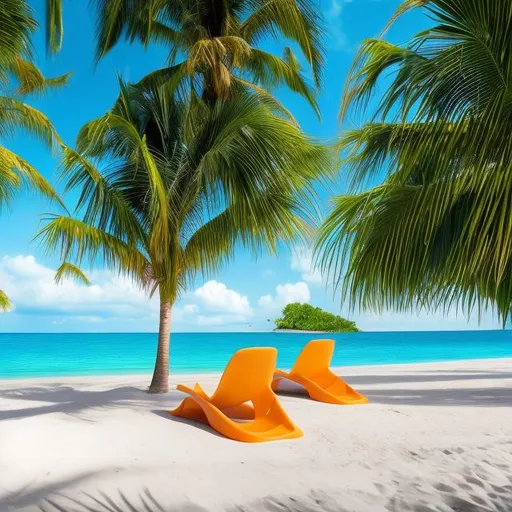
<point>258,331</point>
<point>26,355</point>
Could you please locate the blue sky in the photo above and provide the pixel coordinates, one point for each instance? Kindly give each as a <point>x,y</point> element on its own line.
<point>248,294</point>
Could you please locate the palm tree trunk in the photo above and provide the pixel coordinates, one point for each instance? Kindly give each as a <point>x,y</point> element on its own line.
<point>160,381</point>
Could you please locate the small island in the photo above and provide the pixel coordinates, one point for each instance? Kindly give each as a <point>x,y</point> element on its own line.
<point>304,317</point>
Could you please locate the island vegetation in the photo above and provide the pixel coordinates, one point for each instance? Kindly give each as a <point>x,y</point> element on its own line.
<point>304,317</point>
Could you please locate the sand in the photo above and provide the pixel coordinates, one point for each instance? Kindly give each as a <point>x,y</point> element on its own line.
<point>435,437</point>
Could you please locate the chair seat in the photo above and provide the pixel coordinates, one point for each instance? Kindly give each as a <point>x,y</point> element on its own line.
<point>312,372</point>
<point>243,407</point>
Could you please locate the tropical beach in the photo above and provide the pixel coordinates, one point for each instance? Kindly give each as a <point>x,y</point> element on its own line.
<point>256,256</point>
<point>434,437</point>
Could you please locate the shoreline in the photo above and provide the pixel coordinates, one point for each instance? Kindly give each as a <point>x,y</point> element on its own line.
<point>351,369</point>
<point>299,331</point>
<point>433,433</point>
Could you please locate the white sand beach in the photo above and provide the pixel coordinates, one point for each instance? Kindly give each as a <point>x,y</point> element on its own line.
<point>434,437</point>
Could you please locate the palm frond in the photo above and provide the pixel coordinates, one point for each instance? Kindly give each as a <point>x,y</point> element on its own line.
<point>54,26</point>
<point>271,71</point>
<point>257,150</point>
<point>15,171</point>
<point>79,241</point>
<point>31,80</point>
<point>258,227</point>
<point>16,30</point>
<point>5,303</point>
<point>373,58</point>
<point>102,204</point>
<point>134,21</point>
<point>15,115</point>
<point>266,98</point>
<point>298,21</point>
<point>436,233</point>
<point>216,44</point>
<point>68,270</point>
<point>114,134</point>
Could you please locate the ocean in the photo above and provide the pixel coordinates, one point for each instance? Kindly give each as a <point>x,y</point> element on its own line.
<point>46,355</point>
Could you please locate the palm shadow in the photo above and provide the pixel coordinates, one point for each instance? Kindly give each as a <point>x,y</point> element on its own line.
<point>145,502</point>
<point>72,401</point>
<point>484,396</point>
<point>434,376</point>
<point>479,397</point>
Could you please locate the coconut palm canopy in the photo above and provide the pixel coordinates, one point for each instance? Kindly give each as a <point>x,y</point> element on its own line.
<point>170,185</point>
<point>213,46</point>
<point>19,77</point>
<point>437,232</point>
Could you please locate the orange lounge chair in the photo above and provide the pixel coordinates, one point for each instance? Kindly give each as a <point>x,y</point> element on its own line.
<point>312,372</point>
<point>247,378</point>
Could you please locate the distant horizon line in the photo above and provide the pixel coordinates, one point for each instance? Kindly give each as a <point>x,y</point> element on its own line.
<point>258,332</point>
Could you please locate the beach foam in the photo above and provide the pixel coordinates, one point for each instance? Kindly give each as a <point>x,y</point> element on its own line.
<point>435,437</point>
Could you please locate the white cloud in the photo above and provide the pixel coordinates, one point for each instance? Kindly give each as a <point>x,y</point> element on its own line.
<point>335,9</point>
<point>285,294</point>
<point>217,296</point>
<point>90,319</point>
<point>216,320</point>
<point>268,273</point>
<point>31,287</point>
<point>302,261</point>
<point>190,308</point>
<point>425,321</point>
<point>334,16</point>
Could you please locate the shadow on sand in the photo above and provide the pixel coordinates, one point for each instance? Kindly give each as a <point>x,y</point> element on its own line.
<point>102,502</point>
<point>146,502</point>
<point>196,424</point>
<point>314,501</point>
<point>72,401</point>
<point>487,395</point>
<point>69,400</point>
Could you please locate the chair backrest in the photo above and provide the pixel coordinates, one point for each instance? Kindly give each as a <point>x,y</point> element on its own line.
<point>248,374</point>
<point>315,357</point>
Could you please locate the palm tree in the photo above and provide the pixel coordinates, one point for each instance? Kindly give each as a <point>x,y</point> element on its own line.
<point>213,44</point>
<point>19,77</point>
<point>182,183</point>
<point>437,232</point>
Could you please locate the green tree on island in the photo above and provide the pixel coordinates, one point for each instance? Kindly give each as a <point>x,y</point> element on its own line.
<point>181,183</point>
<point>19,78</point>
<point>304,317</point>
<point>438,232</point>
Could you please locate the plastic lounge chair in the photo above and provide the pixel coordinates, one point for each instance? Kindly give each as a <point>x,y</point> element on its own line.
<point>247,378</point>
<point>311,371</point>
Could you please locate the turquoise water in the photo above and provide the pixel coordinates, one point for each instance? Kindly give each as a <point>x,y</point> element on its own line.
<point>42,355</point>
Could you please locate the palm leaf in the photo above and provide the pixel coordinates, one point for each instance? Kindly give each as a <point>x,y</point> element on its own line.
<point>436,233</point>
<point>78,240</point>
<point>68,270</point>
<point>31,80</point>
<point>15,31</point>
<point>15,171</point>
<point>271,71</point>
<point>54,26</point>
<point>15,114</point>
<point>5,303</point>
<point>218,45</point>
<point>299,21</point>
